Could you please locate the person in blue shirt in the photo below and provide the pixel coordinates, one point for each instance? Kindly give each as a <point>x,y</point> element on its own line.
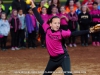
<point>4,30</point>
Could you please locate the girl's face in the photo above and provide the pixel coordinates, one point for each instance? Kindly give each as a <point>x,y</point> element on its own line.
<point>55,25</point>
<point>44,10</point>
<point>55,1</point>
<point>30,11</point>
<point>62,9</point>
<point>3,16</point>
<point>49,2</point>
<point>95,6</point>
<point>15,13</point>
<point>78,4</point>
<point>20,12</point>
<point>71,9</point>
<point>54,10</point>
<point>42,3</point>
<point>71,3</point>
<point>84,8</point>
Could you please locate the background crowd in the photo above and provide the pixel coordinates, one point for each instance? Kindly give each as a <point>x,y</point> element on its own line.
<point>25,30</point>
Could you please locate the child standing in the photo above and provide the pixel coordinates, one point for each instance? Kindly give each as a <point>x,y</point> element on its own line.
<point>31,25</point>
<point>95,13</point>
<point>84,20</point>
<point>4,30</point>
<point>54,12</point>
<point>21,17</point>
<point>64,20</point>
<point>15,26</point>
<point>73,18</point>
<point>45,18</point>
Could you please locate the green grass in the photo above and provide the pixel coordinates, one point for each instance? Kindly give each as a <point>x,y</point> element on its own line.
<point>9,1</point>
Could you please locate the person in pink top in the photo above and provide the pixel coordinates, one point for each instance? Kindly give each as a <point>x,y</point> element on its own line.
<point>63,19</point>
<point>45,18</point>
<point>59,56</point>
<point>54,11</point>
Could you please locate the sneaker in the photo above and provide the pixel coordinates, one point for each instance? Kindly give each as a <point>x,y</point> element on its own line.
<point>74,45</point>
<point>94,43</point>
<point>16,48</point>
<point>12,48</point>
<point>82,44</point>
<point>98,44</point>
<point>70,45</point>
<point>43,46</point>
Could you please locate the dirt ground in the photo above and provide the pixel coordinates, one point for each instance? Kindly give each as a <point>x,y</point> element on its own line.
<point>84,61</point>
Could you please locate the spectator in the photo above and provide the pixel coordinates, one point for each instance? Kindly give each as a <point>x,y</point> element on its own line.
<point>78,10</point>
<point>2,6</point>
<point>71,3</point>
<point>89,4</point>
<point>17,4</point>
<point>41,4</point>
<point>98,1</point>
<point>84,20</point>
<point>73,18</point>
<point>95,13</point>
<point>49,2</point>
<point>54,3</point>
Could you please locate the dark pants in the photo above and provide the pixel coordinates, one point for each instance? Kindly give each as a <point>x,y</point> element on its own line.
<point>21,37</point>
<point>84,38</point>
<point>42,34</point>
<point>96,37</point>
<point>64,63</point>
<point>3,42</point>
<point>14,38</point>
<point>32,39</point>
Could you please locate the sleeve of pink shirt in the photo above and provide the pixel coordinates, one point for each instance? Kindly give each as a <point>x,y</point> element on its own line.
<point>45,26</point>
<point>66,33</point>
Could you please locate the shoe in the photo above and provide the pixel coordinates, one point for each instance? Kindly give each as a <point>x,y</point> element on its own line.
<point>12,48</point>
<point>74,45</point>
<point>82,44</point>
<point>86,44</point>
<point>3,49</point>
<point>70,45</point>
<point>98,44</point>
<point>94,43</point>
<point>16,48</point>
<point>30,47</point>
<point>43,46</point>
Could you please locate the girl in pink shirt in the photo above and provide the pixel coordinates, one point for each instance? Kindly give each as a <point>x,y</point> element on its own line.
<point>45,18</point>
<point>59,56</point>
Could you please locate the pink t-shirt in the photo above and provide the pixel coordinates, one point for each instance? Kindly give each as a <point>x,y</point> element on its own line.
<point>53,40</point>
<point>63,20</point>
<point>45,17</point>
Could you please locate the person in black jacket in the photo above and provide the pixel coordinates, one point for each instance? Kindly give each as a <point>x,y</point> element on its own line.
<point>84,20</point>
<point>17,4</point>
